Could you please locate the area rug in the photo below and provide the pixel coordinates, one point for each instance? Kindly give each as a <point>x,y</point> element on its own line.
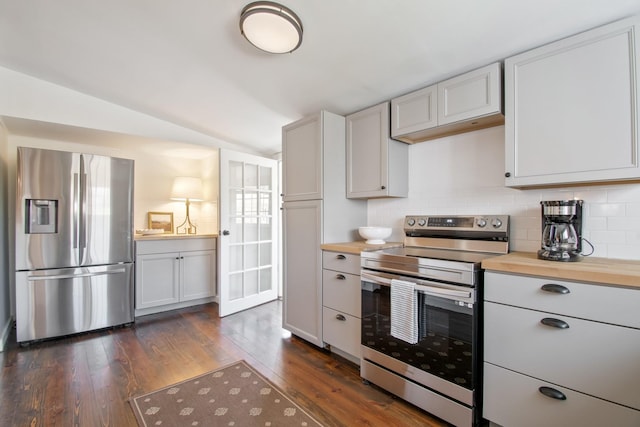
<point>234,395</point>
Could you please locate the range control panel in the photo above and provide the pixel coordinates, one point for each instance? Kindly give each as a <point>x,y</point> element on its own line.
<point>476,223</point>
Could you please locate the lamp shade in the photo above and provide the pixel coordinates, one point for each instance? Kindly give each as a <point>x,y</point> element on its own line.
<point>271,27</point>
<point>187,188</point>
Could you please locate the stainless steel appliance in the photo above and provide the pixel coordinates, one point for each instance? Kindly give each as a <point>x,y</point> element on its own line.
<point>421,313</point>
<point>74,243</point>
<point>561,230</point>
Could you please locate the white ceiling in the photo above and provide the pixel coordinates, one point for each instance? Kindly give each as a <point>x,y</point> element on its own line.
<point>185,62</point>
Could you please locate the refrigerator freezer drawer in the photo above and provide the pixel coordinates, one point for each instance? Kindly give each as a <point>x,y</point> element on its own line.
<point>51,303</point>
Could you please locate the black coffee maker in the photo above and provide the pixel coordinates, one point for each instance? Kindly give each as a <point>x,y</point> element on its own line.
<point>561,230</point>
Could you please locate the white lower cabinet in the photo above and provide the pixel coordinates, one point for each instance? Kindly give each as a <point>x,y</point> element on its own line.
<point>174,273</point>
<point>560,353</point>
<point>341,300</point>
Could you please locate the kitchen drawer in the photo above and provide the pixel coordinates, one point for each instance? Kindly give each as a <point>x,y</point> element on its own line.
<point>588,301</point>
<point>341,331</point>
<point>512,399</point>
<point>158,246</point>
<point>339,261</point>
<point>341,291</point>
<point>594,358</point>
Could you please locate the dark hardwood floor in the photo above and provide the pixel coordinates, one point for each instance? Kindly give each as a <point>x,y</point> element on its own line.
<point>87,379</point>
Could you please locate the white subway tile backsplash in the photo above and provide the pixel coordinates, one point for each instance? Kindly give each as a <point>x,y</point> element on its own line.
<point>606,209</point>
<point>607,237</point>
<point>464,174</point>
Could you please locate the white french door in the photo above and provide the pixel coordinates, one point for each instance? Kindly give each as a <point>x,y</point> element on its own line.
<point>247,273</point>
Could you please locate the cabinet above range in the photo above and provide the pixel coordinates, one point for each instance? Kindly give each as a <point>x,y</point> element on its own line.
<point>464,103</point>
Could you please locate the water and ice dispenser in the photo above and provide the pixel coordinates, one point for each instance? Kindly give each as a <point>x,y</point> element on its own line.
<point>42,216</point>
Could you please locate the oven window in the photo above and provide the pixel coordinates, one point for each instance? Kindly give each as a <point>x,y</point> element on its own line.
<point>445,329</point>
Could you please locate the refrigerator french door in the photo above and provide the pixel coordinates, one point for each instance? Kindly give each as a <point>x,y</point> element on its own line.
<point>74,243</point>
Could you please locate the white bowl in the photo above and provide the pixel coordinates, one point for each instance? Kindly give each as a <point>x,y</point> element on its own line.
<point>374,235</point>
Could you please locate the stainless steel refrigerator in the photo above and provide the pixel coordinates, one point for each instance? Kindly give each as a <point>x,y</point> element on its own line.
<point>74,243</point>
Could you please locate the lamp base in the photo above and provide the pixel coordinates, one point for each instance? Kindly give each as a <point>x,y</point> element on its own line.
<point>186,227</point>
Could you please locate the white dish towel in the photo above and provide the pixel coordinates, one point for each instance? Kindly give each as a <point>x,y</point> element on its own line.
<point>404,311</point>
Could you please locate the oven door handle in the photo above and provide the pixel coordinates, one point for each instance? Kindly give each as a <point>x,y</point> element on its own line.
<point>431,290</point>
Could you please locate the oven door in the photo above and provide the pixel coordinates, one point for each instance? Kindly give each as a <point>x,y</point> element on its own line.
<point>446,352</point>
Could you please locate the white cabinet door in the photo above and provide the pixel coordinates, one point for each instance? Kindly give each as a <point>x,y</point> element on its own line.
<point>302,314</point>
<point>198,274</point>
<point>376,164</point>
<point>302,159</point>
<point>157,279</point>
<point>472,95</point>
<point>572,109</point>
<point>414,111</point>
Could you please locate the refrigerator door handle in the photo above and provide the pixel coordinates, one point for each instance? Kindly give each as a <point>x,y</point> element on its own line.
<point>76,204</point>
<point>82,240</point>
<point>74,276</point>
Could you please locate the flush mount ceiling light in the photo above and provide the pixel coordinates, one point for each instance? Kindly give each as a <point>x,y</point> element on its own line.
<point>271,27</point>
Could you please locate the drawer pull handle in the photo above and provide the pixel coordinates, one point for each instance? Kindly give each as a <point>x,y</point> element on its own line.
<point>556,289</point>
<point>340,277</point>
<point>341,256</point>
<point>341,317</point>
<point>552,393</point>
<point>555,323</point>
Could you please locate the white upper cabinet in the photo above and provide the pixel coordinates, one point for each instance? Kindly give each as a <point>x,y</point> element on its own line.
<point>572,109</point>
<point>376,165</point>
<point>302,157</point>
<point>464,103</point>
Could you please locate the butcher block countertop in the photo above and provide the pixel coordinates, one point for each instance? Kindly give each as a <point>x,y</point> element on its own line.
<point>357,247</point>
<point>604,271</point>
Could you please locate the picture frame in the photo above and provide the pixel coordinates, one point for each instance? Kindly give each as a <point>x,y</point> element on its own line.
<point>161,220</point>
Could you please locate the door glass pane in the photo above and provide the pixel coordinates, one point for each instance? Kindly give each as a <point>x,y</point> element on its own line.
<point>251,256</point>
<point>265,228</point>
<point>236,234</point>
<point>265,178</point>
<point>250,282</point>
<point>265,203</point>
<point>235,258</point>
<point>265,279</point>
<point>250,176</point>
<point>265,254</point>
<point>250,203</point>
<point>235,174</point>
<point>251,229</point>
<point>235,202</point>
<point>235,286</point>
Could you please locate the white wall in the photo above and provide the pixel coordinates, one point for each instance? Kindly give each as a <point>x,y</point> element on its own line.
<point>464,174</point>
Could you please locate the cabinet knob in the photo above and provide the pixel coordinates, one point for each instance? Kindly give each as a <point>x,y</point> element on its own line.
<point>555,289</point>
<point>341,256</point>
<point>340,277</point>
<point>508,174</point>
<point>341,317</point>
<point>552,393</point>
<point>383,187</point>
<point>555,323</point>
<point>225,232</point>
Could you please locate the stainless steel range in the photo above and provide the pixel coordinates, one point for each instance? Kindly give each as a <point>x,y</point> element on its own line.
<point>421,313</point>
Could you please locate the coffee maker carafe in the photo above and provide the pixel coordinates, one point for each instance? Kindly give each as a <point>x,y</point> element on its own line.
<point>561,230</point>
